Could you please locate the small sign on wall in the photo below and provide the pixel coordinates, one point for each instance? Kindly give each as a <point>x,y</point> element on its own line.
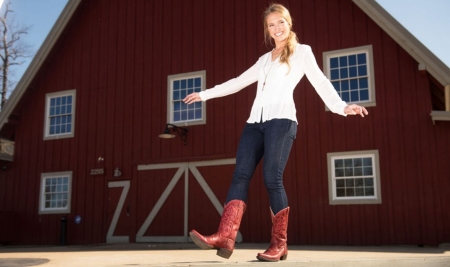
<point>97,171</point>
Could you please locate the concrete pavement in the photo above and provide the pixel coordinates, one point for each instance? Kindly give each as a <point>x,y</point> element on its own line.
<point>140,254</point>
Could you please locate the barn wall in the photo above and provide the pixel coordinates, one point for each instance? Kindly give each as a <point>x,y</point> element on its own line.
<point>118,56</point>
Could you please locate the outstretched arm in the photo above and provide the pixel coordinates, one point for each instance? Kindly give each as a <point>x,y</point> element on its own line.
<point>230,87</point>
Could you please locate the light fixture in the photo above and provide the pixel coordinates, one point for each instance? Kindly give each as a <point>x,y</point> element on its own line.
<point>182,132</point>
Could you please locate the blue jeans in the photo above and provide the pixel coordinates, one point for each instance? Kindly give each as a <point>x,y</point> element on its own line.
<point>272,140</point>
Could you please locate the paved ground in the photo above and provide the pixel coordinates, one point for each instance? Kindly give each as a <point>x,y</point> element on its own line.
<point>244,255</point>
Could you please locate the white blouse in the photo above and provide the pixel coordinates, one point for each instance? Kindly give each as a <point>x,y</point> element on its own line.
<point>275,99</point>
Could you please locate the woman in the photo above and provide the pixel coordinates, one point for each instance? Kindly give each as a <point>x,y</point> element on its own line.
<point>269,131</point>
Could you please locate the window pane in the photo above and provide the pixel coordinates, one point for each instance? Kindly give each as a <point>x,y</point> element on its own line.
<point>352,60</point>
<point>354,84</point>
<point>340,192</point>
<point>343,61</point>
<point>359,182</point>
<point>334,74</point>
<point>198,114</point>
<point>198,82</point>
<point>364,95</point>
<point>340,183</point>
<point>367,161</point>
<point>190,83</point>
<point>353,72</point>
<point>354,96</point>
<point>176,85</point>
<point>369,191</point>
<point>345,97</point>
<point>183,84</point>
<point>368,182</point>
<point>349,182</point>
<point>339,172</point>
<point>362,59</point>
<point>334,63</point>
<point>184,116</point>
<point>176,95</point>
<point>177,106</point>
<point>358,171</point>
<point>344,85</point>
<point>191,115</point>
<point>348,162</point>
<point>344,73</point>
<point>368,171</point>
<point>362,70</point>
<point>348,171</point>
<point>350,192</point>
<point>359,192</point>
<point>176,116</point>
<point>338,163</point>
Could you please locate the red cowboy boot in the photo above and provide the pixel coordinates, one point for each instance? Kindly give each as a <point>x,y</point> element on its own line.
<point>278,248</point>
<point>225,237</point>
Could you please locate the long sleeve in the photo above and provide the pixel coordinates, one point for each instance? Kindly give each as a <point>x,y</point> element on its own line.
<point>321,84</point>
<point>232,86</point>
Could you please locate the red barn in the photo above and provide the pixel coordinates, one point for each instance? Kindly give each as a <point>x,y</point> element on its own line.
<point>81,150</point>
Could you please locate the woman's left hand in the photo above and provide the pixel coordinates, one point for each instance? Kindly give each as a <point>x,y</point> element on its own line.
<point>355,109</point>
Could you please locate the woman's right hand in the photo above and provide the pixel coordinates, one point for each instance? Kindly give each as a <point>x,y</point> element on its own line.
<point>194,97</point>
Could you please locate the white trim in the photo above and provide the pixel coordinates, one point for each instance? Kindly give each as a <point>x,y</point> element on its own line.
<point>333,199</point>
<point>44,176</point>
<point>48,97</point>
<point>196,74</point>
<point>406,40</point>
<point>183,167</point>
<point>368,50</point>
<point>110,238</point>
<point>38,60</point>
<point>437,115</point>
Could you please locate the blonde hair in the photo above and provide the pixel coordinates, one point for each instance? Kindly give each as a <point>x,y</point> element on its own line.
<point>292,39</point>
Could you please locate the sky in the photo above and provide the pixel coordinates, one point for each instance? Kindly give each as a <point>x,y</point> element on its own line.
<point>428,21</point>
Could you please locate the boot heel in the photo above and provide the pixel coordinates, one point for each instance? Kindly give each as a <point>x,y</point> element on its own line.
<point>283,258</point>
<point>224,253</point>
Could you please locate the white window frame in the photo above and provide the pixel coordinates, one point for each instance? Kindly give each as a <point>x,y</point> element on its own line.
<point>333,199</point>
<point>48,97</point>
<point>49,175</point>
<point>170,101</point>
<point>370,70</point>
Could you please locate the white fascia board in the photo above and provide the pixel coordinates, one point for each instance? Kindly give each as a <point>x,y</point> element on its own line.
<point>38,59</point>
<point>406,40</point>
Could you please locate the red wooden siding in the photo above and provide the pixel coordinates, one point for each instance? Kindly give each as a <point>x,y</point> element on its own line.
<point>117,57</point>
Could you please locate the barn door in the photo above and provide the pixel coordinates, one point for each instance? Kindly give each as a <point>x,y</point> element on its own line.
<point>175,191</point>
<point>118,211</point>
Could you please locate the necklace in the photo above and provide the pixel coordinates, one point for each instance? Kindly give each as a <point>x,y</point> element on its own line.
<point>264,69</point>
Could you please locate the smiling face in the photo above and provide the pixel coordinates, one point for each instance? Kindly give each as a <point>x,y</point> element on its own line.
<point>277,27</point>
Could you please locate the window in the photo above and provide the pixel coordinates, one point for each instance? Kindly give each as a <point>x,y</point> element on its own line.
<point>179,86</point>
<point>354,178</point>
<point>60,115</point>
<point>55,192</point>
<point>351,73</point>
